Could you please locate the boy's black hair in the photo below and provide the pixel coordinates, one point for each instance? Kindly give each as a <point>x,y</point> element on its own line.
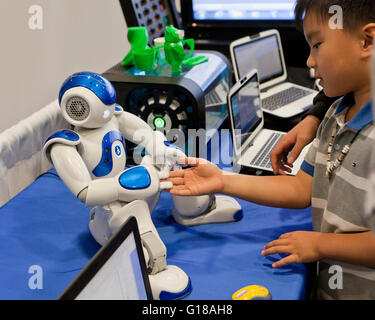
<point>356,13</point>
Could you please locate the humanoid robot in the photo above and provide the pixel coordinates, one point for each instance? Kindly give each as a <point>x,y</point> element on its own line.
<point>91,160</point>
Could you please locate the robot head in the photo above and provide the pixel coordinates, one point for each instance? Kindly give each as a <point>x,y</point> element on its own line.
<point>87,100</point>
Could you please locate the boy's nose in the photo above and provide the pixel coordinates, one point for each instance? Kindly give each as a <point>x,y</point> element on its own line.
<point>311,62</point>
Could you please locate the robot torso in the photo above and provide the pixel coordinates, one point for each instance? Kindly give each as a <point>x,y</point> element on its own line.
<point>103,150</point>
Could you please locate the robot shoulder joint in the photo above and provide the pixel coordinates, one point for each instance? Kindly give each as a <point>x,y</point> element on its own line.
<point>66,137</point>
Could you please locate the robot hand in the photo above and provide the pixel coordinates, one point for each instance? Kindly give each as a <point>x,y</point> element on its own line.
<point>172,157</point>
<point>161,169</point>
<point>164,155</point>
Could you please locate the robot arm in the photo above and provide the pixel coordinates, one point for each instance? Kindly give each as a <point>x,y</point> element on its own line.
<point>136,130</point>
<point>70,167</point>
<point>163,153</point>
<point>135,183</point>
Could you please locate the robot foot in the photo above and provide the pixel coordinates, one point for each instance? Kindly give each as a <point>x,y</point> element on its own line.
<point>226,209</point>
<point>170,284</point>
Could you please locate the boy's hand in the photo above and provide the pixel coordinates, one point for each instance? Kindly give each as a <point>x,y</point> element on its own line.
<point>302,247</point>
<point>204,178</point>
<point>294,141</point>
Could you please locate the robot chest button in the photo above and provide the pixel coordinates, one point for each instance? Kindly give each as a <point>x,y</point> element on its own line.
<point>135,178</point>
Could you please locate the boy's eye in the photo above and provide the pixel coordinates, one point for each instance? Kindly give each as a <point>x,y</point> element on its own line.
<point>317,45</point>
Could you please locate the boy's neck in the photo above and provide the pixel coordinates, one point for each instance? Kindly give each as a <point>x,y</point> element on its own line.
<point>361,97</point>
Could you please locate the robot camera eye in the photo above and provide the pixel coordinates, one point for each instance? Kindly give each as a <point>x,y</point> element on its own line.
<point>77,108</point>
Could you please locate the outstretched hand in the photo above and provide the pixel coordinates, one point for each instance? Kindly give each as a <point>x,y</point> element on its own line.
<point>203,178</point>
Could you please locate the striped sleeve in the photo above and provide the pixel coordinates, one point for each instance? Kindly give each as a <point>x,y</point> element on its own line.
<point>308,164</point>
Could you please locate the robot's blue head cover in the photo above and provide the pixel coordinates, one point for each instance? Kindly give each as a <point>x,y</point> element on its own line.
<point>99,85</point>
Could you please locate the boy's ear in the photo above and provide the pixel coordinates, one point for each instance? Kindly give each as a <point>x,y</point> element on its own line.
<point>368,37</point>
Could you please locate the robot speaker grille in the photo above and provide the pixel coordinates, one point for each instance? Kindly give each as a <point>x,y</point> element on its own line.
<point>77,108</point>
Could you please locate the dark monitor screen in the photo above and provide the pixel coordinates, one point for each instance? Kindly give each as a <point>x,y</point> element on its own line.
<point>215,23</point>
<point>233,10</point>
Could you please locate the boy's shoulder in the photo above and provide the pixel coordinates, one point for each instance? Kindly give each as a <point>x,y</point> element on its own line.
<point>362,121</point>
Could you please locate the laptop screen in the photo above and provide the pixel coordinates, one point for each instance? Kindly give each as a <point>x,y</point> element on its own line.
<point>246,110</point>
<point>263,54</point>
<point>120,278</point>
<point>116,272</point>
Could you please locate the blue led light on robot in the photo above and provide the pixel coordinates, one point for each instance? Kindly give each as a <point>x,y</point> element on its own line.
<point>105,165</point>
<point>99,85</point>
<point>135,178</point>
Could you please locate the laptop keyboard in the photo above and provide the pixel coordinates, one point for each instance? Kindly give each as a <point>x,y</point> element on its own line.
<point>263,158</point>
<point>283,98</point>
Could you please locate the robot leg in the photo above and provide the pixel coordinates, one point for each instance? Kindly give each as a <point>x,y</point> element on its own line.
<point>167,281</point>
<point>98,224</point>
<point>196,210</point>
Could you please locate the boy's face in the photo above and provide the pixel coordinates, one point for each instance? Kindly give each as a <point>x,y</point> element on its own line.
<point>335,55</point>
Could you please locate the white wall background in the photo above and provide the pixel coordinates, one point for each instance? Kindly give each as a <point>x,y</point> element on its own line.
<point>76,35</point>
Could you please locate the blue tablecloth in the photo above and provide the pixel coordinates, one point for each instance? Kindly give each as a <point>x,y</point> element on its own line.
<point>47,227</point>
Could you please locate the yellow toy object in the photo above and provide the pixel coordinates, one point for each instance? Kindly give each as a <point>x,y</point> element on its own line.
<point>253,292</point>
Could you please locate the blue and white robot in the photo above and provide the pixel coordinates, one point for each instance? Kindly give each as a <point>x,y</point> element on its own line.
<point>91,160</point>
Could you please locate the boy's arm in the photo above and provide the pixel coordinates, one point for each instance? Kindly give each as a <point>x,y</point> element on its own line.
<point>290,145</point>
<point>205,177</point>
<point>354,248</point>
<point>274,191</point>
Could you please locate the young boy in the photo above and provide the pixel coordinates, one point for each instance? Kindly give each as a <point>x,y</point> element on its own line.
<point>333,177</point>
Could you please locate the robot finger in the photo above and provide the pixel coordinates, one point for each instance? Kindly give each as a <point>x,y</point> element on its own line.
<point>175,155</point>
<point>164,172</point>
<point>165,185</point>
<point>177,167</point>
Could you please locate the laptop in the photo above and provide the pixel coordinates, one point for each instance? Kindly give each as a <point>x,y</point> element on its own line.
<point>264,52</point>
<point>252,144</point>
<point>116,272</point>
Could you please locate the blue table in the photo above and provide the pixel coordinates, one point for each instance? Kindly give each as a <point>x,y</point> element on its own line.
<point>47,227</point>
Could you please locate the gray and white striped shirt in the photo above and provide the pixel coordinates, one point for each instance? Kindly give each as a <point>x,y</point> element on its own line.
<point>339,202</point>
<point>370,210</point>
